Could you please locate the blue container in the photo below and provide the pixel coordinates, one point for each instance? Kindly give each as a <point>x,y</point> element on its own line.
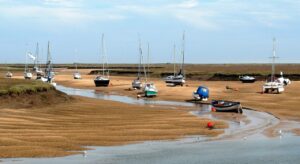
<point>203,92</point>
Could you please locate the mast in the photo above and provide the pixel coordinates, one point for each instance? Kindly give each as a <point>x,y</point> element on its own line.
<point>174,60</point>
<point>182,52</point>
<point>102,52</point>
<point>148,60</point>
<point>26,67</point>
<point>36,61</point>
<point>273,60</point>
<point>140,62</point>
<point>76,60</point>
<point>48,64</point>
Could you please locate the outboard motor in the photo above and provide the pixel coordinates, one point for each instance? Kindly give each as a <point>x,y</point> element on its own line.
<point>201,94</point>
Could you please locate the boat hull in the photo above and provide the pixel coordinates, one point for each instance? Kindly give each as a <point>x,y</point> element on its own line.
<point>273,87</point>
<point>175,82</point>
<point>101,83</point>
<point>150,93</point>
<point>247,81</point>
<point>233,107</point>
<point>136,84</point>
<point>77,77</point>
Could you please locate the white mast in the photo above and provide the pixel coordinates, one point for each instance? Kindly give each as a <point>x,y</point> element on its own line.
<point>36,61</point>
<point>76,59</point>
<point>174,60</point>
<point>141,54</point>
<point>104,57</point>
<point>148,60</point>
<point>102,49</point>
<point>273,60</point>
<point>182,52</point>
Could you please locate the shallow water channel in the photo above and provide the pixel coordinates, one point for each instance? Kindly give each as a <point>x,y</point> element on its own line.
<point>242,142</point>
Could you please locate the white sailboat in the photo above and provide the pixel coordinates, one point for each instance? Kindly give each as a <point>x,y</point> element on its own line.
<point>8,73</point>
<point>179,78</point>
<point>27,73</point>
<point>103,80</point>
<point>37,67</point>
<point>76,74</point>
<point>49,73</point>
<point>137,83</point>
<point>273,85</point>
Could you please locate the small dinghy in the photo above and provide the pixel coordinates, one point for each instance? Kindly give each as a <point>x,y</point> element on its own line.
<point>201,94</point>
<point>247,79</point>
<point>226,106</point>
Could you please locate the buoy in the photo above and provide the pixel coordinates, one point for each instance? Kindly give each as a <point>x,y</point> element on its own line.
<point>213,109</point>
<point>210,125</point>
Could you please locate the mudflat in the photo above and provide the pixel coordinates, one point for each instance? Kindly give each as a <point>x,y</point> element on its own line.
<point>66,127</point>
<point>284,106</point>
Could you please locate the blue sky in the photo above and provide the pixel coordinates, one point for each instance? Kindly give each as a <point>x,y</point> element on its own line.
<point>217,31</point>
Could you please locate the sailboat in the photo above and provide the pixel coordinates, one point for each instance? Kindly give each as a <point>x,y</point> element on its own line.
<point>76,74</point>
<point>49,74</point>
<point>37,68</point>
<point>27,73</point>
<point>149,89</point>
<point>103,80</point>
<point>136,83</point>
<point>8,73</point>
<point>273,85</point>
<point>177,79</point>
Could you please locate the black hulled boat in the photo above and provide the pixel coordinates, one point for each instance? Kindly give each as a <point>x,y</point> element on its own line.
<point>226,106</point>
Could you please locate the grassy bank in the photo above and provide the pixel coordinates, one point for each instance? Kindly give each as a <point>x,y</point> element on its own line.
<point>19,86</point>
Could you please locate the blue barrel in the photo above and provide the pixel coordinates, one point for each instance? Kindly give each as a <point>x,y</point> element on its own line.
<point>203,92</point>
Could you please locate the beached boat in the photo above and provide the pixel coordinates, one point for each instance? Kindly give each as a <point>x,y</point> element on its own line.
<point>37,67</point>
<point>273,85</point>
<point>226,106</point>
<point>76,74</point>
<point>27,73</point>
<point>201,94</point>
<point>179,78</point>
<point>103,80</point>
<point>150,90</point>
<point>49,73</point>
<point>137,83</point>
<point>247,79</point>
<point>284,81</point>
<point>8,75</point>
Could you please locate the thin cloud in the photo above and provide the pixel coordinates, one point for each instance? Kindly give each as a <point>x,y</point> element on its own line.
<point>209,15</point>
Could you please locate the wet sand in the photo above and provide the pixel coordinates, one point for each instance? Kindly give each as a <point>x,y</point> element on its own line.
<point>66,128</point>
<point>285,105</point>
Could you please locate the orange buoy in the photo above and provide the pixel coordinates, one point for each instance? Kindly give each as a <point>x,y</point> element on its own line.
<point>210,125</point>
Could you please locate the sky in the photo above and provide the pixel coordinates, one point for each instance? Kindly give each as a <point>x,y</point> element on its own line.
<point>216,31</point>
